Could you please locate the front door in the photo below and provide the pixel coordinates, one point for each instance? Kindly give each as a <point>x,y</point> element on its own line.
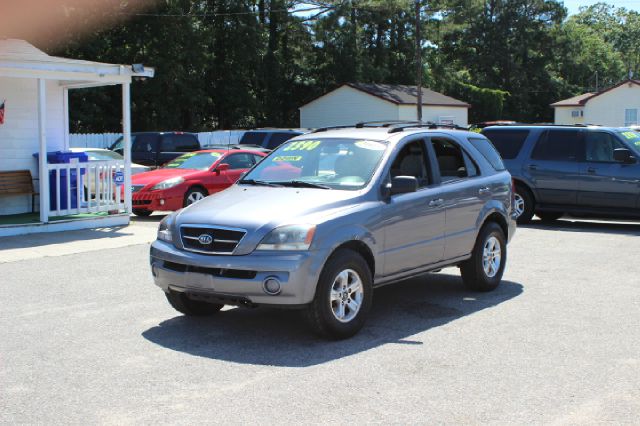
<point>607,183</point>
<point>413,223</point>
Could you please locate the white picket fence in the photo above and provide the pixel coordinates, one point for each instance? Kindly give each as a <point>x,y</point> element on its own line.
<point>105,140</point>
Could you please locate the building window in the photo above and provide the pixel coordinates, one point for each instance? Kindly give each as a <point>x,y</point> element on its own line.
<point>446,120</point>
<point>630,117</point>
<point>577,113</point>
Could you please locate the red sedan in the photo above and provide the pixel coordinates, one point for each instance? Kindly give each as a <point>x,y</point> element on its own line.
<point>189,178</point>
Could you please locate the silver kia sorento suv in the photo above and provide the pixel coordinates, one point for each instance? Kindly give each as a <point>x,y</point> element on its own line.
<point>330,215</point>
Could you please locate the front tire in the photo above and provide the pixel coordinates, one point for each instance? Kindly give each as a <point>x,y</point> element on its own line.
<point>142,213</point>
<point>194,195</point>
<point>181,303</point>
<point>343,296</point>
<point>483,271</point>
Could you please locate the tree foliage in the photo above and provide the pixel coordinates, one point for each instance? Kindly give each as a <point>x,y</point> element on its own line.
<point>235,64</point>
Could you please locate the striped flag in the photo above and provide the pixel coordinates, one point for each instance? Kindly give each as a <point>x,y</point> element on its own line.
<point>2,112</point>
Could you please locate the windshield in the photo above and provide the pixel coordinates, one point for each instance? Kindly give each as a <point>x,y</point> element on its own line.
<point>194,160</point>
<point>103,155</point>
<point>326,163</point>
<point>632,137</point>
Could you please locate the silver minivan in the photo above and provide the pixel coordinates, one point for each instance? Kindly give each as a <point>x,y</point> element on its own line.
<point>330,215</point>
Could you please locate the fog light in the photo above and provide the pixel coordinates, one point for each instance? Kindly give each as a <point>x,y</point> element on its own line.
<point>161,202</point>
<point>271,286</point>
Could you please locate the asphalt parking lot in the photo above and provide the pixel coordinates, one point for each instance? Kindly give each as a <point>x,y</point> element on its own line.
<point>87,338</point>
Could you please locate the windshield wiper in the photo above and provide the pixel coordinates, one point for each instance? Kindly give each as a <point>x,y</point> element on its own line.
<point>303,184</point>
<point>258,182</point>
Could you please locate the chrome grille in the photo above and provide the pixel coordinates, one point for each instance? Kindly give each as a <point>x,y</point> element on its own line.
<point>210,239</point>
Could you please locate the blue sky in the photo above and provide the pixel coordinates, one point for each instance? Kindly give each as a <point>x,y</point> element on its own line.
<point>574,5</point>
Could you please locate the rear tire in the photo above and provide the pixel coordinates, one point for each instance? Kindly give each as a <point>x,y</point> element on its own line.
<point>343,296</point>
<point>142,213</point>
<point>181,303</point>
<point>483,271</point>
<point>524,204</point>
<point>549,216</point>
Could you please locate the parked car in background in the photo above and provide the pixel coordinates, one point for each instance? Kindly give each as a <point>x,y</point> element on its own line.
<point>154,149</point>
<point>100,154</point>
<point>330,215</point>
<point>267,139</point>
<point>189,178</point>
<point>89,180</point>
<point>580,170</point>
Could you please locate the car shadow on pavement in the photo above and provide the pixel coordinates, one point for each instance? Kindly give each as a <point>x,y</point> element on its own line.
<point>570,224</point>
<point>268,336</point>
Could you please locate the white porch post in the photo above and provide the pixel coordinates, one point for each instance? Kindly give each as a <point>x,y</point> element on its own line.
<point>126,134</point>
<point>42,159</point>
<point>65,117</point>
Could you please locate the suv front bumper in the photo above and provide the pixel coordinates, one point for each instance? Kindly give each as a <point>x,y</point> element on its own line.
<point>237,278</point>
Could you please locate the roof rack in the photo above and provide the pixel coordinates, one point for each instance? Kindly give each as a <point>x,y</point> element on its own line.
<point>428,125</point>
<point>394,126</point>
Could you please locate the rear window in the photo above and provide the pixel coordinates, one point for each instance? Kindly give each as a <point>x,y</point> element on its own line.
<point>508,142</point>
<point>488,151</point>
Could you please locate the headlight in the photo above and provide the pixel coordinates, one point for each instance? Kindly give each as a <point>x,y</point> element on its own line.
<point>169,183</point>
<point>164,230</point>
<point>290,237</point>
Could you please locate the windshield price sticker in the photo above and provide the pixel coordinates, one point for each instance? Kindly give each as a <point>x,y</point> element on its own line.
<point>630,135</point>
<point>302,146</point>
<point>288,158</point>
<point>216,154</point>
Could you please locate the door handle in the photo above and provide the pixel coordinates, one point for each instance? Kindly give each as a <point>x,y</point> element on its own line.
<point>484,190</point>
<point>533,167</point>
<point>436,203</point>
<point>591,170</point>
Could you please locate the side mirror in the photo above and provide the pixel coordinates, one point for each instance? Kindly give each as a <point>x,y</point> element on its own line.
<point>623,155</point>
<point>402,185</point>
<point>221,168</point>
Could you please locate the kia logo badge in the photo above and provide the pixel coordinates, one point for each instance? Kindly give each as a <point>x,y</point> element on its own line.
<point>205,239</point>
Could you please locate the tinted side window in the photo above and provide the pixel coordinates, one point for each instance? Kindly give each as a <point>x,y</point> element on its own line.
<point>239,161</point>
<point>488,151</point>
<point>557,145</point>
<point>600,146</point>
<point>253,138</point>
<point>179,143</point>
<point>144,143</point>
<point>508,142</point>
<point>278,139</point>
<point>450,160</point>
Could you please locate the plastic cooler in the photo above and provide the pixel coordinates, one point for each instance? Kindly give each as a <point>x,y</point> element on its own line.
<point>64,157</point>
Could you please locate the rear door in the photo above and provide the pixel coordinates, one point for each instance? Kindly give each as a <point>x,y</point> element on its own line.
<point>463,193</point>
<point>173,145</point>
<point>553,166</point>
<point>607,183</point>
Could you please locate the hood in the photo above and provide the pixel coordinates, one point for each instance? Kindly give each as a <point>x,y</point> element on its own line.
<point>158,175</point>
<point>260,209</point>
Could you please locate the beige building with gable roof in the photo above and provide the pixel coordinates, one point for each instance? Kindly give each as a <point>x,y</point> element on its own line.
<point>616,106</point>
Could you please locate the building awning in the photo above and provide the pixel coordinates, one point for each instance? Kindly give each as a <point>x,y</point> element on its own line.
<point>20,59</point>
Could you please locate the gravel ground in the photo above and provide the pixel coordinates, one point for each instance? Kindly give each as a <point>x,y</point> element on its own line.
<point>87,338</point>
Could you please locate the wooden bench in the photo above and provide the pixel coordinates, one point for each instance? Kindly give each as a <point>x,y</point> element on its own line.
<point>17,182</point>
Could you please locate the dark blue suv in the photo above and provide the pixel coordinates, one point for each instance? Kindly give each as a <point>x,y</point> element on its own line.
<point>580,170</point>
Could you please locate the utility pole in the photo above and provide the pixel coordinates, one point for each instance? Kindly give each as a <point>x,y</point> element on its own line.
<point>419,60</point>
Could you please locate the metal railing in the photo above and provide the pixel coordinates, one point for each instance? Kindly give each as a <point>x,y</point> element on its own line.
<point>90,187</point>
